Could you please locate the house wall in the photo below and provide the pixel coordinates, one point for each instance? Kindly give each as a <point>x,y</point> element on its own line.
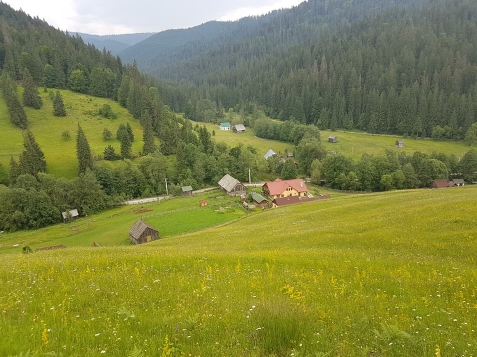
<point>289,192</point>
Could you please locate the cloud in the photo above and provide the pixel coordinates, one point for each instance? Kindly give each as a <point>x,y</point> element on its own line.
<point>258,10</point>
<point>58,13</point>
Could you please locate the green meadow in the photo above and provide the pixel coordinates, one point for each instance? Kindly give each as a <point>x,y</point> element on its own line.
<point>382,274</point>
<point>354,145</point>
<point>248,139</point>
<point>60,154</point>
<point>171,217</point>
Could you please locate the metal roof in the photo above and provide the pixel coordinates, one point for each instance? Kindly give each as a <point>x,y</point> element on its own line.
<point>228,183</point>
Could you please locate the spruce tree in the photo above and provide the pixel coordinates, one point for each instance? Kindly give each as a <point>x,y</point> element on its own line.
<point>126,146</point>
<point>15,109</point>
<point>58,105</point>
<point>31,98</point>
<point>148,135</point>
<point>83,152</point>
<point>32,159</point>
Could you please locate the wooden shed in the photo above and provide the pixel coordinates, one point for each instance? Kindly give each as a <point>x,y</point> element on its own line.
<point>232,186</point>
<point>141,233</point>
<point>187,191</point>
<point>399,143</point>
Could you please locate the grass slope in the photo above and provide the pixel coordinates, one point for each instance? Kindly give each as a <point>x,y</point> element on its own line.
<point>110,228</point>
<point>386,274</point>
<point>356,144</point>
<point>61,154</point>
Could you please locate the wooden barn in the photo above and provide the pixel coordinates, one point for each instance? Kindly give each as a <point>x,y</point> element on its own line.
<point>232,186</point>
<point>141,233</point>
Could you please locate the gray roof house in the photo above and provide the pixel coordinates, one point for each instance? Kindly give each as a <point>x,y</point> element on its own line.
<point>239,128</point>
<point>187,191</point>
<point>270,153</point>
<point>232,186</point>
<point>73,214</point>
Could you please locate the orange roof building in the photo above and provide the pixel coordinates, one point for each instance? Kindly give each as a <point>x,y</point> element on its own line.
<point>285,188</point>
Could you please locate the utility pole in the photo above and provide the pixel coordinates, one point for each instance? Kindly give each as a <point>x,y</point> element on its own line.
<point>167,191</point>
<point>249,176</point>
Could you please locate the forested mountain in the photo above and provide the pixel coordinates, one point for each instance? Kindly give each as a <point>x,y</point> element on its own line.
<point>406,67</point>
<point>114,43</point>
<point>173,45</point>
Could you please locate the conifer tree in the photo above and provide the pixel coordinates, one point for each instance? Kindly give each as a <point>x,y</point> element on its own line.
<point>32,159</point>
<point>126,146</point>
<point>58,105</point>
<point>83,152</point>
<point>31,98</point>
<point>15,109</point>
<point>148,135</point>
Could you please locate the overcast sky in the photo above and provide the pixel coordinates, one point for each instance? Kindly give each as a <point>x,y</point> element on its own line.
<point>104,17</point>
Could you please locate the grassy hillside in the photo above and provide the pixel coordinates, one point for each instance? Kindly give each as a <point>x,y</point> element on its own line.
<point>248,138</point>
<point>388,274</point>
<point>47,129</point>
<point>356,144</point>
<point>110,228</point>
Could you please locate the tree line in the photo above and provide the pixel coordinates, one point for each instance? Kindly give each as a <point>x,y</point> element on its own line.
<point>406,70</point>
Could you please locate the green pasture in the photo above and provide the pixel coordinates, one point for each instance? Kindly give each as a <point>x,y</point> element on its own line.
<point>60,154</point>
<point>248,139</point>
<point>111,228</point>
<point>354,145</point>
<point>382,274</point>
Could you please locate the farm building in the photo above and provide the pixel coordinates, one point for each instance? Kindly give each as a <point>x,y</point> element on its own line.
<point>232,186</point>
<point>399,143</point>
<point>187,191</point>
<point>440,183</point>
<point>259,200</point>
<point>285,188</point>
<point>225,126</point>
<point>270,153</point>
<point>457,182</point>
<point>239,128</point>
<point>333,139</point>
<point>70,215</point>
<point>141,233</point>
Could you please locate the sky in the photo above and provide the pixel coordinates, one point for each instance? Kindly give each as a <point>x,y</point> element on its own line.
<point>108,17</point>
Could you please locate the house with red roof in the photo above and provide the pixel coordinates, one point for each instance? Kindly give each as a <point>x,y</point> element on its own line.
<point>285,188</point>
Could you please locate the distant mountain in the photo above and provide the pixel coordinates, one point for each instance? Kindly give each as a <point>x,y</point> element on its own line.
<point>171,45</point>
<point>114,43</point>
<point>405,67</point>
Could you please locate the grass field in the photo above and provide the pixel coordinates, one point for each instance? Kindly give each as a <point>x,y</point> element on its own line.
<point>384,274</point>
<point>110,228</point>
<point>356,144</point>
<point>248,138</point>
<point>60,154</point>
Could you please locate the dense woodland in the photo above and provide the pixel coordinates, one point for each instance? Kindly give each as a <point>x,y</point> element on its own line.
<point>406,68</point>
<point>403,71</point>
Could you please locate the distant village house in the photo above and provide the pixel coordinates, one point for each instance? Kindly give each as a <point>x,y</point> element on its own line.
<point>440,183</point>
<point>270,153</point>
<point>70,215</point>
<point>333,139</point>
<point>399,143</point>
<point>239,128</point>
<point>457,182</point>
<point>259,200</point>
<point>187,191</point>
<point>141,233</point>
<point>232,186</point>
<point>225,126</point>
